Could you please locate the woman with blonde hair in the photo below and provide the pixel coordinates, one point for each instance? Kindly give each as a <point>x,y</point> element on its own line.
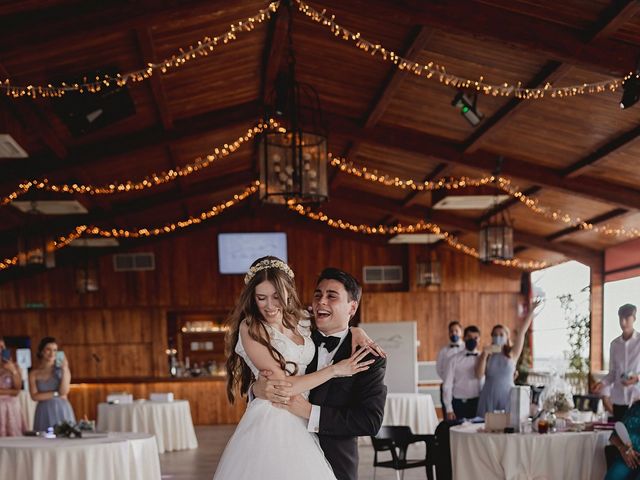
<point>269,329</point>
<point>497,364</point>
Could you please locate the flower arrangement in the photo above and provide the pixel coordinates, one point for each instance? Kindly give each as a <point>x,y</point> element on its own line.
<point>558,401</point>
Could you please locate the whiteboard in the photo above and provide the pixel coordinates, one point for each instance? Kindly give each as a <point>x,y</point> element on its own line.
<point>399,340</point>
<point>237,251</point>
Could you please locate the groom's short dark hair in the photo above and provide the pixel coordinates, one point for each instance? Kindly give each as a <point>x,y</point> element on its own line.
<point>351,285</point>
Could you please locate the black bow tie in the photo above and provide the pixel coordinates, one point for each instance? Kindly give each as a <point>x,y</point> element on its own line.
<point>474,354</point>
<point>454,345</point>
<point>330,343</point>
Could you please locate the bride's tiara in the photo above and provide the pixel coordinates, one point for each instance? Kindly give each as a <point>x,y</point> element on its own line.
<point>268,263</point>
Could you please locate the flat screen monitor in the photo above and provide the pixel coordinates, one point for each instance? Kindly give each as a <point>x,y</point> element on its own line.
<point>237,251</point>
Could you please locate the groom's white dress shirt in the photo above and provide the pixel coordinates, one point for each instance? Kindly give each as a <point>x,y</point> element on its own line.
<point>325,358</point>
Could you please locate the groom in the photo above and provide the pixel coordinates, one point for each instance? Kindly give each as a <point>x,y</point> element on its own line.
<point>343,408</point>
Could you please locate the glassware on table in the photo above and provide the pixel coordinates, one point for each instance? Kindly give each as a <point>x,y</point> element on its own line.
<point>543,425</point>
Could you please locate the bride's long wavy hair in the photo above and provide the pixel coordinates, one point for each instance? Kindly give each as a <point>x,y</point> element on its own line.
<point>246,309</point>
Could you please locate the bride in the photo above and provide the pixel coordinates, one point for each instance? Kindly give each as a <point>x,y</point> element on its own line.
<point>270,330</point>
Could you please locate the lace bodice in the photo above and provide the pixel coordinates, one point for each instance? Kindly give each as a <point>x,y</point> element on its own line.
<point>301,355</point>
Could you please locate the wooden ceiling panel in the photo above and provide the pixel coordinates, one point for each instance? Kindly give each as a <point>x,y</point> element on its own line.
<point>390,161</point>
<point>601,240</point>
<point>229,75</point>
<point>351,182</point>
<point>630,31</point>
<point>620,167</point>
<point>560,132</point>
<point>424,104</point>
<point>577,14</point>
<point>345,78</point>
<point>540,255</point>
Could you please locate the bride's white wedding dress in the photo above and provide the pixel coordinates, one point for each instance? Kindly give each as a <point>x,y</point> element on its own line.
<point>269,442</point>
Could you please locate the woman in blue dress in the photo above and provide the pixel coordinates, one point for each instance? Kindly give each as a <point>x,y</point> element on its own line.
<point>49,386</point>
<point>497,364</point>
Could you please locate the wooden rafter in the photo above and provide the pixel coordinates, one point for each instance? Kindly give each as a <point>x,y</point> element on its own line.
<point>593,221</point>
<point>232,119</point>
<point>481,20</point>
<point>148,50</point>
<point>360,199</point>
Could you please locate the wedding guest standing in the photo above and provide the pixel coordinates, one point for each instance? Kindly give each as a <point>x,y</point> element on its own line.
<point>461,387</point>
<point>624,364</point>
<point>456,345</point>
<point>497,364</point>
<point>49,386</point>
<point>11,420</point>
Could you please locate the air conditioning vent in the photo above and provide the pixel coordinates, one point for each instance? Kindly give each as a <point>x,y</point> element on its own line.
<point>382,274</point>
<point>131,262</point>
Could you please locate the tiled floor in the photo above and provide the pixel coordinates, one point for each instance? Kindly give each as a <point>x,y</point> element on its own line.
<point>200,464</point>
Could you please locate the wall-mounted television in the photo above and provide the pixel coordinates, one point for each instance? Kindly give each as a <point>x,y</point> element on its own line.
<point>237,251</point>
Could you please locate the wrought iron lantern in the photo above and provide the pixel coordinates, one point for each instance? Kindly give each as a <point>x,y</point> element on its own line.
<point>428,271</point>
<point>293,159</point>
<point>496,239</point>
<point>35,245</point>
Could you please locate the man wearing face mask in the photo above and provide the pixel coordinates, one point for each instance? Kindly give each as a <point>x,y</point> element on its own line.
<point>461,386</point>
<point>455,346</point>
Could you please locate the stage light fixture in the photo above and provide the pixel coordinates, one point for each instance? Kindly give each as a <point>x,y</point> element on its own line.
<point>630,91</point>
<point>468,108</point>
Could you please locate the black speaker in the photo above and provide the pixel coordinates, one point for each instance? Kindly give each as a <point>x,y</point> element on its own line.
<point>87,112</point>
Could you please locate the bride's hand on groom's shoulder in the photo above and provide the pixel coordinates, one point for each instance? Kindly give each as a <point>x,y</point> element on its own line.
<point>276,391</point>
<point>360,339</point>
<point>356,363</point>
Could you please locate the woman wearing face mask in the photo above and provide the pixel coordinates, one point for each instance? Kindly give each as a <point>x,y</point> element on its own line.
<point>497,364</point>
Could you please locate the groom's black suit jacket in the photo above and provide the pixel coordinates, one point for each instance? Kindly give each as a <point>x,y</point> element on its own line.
<point>350,407</point>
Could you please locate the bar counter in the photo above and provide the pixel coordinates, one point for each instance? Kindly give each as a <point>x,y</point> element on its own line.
<point>207,395</point>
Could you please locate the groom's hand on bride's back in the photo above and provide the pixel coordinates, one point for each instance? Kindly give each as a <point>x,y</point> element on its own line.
<point>276,391</point>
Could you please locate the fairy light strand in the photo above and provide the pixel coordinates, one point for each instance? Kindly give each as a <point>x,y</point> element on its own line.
<point>214,211</point>
<point>418,227</point>
<point>500,182</point>
<point>438,72</point>
<point>201,49</point>
<point>151,180</point>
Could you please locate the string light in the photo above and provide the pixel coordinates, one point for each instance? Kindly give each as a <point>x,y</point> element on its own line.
<point>502,183</point>
<point>151,180</point>
<point>78,231</point>
<point>437,72</point>
<point>201,49</point>
<point>420,226</point>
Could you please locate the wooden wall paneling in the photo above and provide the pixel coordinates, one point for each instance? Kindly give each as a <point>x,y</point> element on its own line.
<point>597,317</point>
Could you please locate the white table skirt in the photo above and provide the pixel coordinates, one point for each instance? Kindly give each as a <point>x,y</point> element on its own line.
<point>413,409</point>
<point>170,422</point>
<point>28,408</point>
<point>531,456</point>
<point>125,456</point>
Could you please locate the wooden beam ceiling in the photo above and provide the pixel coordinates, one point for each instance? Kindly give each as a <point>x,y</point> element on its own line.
<point>416,142</point>
<point>360,199</point>
<point>233,119</point>
<point>470,18</point>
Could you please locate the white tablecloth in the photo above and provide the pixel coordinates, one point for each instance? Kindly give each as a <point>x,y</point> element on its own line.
<point>530,456</point>
<point>122,456</point>
<point>413,409</point>
<point>170,422</point>
<point>28,408</point>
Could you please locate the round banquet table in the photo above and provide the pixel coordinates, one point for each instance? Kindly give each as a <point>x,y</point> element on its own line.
<point>125,456</point>
<point>413,409</point>
<point>170,422</point>
<point>527,456</point>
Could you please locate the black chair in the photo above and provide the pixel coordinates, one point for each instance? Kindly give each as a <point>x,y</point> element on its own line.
<point>396,440</point>
<point>587,403</point>
<point>442,451</point>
